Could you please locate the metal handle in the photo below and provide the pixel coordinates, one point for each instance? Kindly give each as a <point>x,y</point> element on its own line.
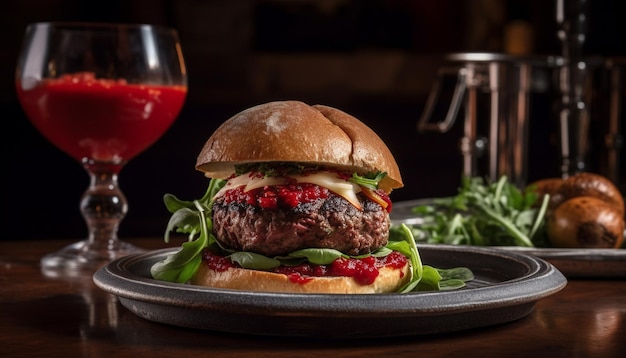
<point>424,123</point>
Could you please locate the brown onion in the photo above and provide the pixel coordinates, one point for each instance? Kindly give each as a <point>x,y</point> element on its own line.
<point>586,222</point>
<point>594,185</point>
<point>550,186</point>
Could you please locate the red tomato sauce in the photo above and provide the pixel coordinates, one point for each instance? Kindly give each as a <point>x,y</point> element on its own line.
<point>363,270</point>
<point>278,196</point>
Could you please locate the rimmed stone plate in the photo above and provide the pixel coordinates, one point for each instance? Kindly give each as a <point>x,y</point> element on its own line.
<point>506,288</point>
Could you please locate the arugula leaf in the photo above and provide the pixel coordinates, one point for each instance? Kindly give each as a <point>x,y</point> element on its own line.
<point>180,266</point>
<point>317,256</point>
<point>251,260</point>
<point>192,218</point>
<point>369,181</point>
<point>409,249</point>
<point>485,214</point>
<point>454,278</point>
<point>431,279</point>
<point>425,277</point>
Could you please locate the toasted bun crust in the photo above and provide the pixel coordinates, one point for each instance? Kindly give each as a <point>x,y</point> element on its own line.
<point>293,131</point>
<point>389,280</point>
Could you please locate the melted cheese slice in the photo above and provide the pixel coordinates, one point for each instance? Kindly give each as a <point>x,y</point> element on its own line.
<point>331,181</point>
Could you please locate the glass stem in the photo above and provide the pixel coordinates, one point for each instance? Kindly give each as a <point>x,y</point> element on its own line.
<point>103,205</point>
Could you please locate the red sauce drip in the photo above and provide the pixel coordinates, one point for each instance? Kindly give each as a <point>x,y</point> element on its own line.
<point>216,262</point>
<point>277,196</point>
<point>297,278</point>
<point>363,270</point>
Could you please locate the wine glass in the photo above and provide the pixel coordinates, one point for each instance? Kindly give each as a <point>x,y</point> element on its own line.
<point>102,93</point>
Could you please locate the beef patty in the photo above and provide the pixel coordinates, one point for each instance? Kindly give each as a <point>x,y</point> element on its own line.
<point>330,222</point>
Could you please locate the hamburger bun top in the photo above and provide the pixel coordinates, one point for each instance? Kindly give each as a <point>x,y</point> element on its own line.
<point>293,131</point>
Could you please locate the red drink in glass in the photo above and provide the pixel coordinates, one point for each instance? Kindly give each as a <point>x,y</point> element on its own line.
<point>102,93</point>
<point>101,119</point>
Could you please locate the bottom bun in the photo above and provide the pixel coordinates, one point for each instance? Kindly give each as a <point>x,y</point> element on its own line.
<point>388,280</point>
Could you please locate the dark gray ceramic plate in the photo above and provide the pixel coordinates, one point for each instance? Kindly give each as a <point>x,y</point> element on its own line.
<point>506,288</point>
<point>573,263</point>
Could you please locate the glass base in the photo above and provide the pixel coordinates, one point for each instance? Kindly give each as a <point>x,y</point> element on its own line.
<point>84,257</point>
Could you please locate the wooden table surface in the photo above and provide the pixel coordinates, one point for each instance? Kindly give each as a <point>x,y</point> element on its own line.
<point>54,317</point>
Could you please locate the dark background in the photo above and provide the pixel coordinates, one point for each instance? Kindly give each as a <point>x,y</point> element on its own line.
<point>374,59</point>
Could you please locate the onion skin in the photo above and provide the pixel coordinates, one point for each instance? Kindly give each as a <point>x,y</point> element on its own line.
<point>550,186</point>
<point>586,222</point>
<point>593,185</point>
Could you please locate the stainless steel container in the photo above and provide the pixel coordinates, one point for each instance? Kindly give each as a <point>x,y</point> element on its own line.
<point>508,82</point>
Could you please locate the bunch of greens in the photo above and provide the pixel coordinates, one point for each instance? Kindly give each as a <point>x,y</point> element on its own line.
<point>194,219</point>
<point>485,214</point>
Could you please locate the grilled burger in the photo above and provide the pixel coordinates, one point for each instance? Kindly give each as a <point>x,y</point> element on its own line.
<point>298,202</point>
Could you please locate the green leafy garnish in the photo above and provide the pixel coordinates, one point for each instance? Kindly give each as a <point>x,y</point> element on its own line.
<point>484,214</point>
<point>194,219</point>
<point>317,256</point>
<point>369,180</point>
<point>408,248</point>
<point>254,261</point>
<point>425,277</point>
